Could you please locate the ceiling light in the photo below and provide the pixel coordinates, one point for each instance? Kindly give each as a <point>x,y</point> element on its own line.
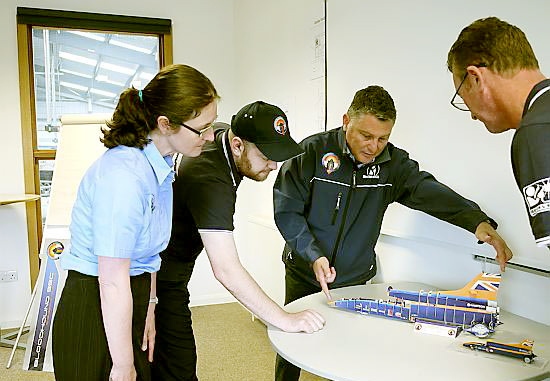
<point>93,36</point>
<point>76,73</point>
<point>103,92</point>
<point>130,46</point>
<point>77,58</point>
<point>73,86</point>
<point>105,79</point>
<point>146,76</point>
<point>117,68</point>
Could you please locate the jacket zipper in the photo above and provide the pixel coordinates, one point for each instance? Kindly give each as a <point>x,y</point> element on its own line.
<point>336,208</point>
<point>341,228</point>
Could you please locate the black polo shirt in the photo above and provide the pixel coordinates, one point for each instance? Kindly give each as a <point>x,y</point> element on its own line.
<point>531,160</point>
<point>205,192</point>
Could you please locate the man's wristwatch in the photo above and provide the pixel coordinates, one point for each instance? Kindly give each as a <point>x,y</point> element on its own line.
<point>154,300</point>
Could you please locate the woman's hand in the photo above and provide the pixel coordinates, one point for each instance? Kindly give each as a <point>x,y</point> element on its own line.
<point>149,332</point>
<point>123,373</point>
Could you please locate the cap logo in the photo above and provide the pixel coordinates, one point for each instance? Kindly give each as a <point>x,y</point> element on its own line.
<point>280,125</point>
<point>331,162</point>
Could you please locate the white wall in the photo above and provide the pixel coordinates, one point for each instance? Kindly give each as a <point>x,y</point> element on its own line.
<point>275,54</point>
<point>274,62</point>
<point>407,55</point>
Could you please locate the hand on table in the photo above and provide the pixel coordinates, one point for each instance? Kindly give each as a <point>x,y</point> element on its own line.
<point>308,321</point>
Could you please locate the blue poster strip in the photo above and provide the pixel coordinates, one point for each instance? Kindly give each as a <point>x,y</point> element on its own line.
<point>45,312</point>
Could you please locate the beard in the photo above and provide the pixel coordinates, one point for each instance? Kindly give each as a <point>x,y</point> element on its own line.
<point>245,168</point>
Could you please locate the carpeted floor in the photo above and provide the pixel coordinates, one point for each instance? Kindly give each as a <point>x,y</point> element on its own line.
<point>230,346</point>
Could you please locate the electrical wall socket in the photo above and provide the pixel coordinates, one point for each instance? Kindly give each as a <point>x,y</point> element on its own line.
<point>8,276</point>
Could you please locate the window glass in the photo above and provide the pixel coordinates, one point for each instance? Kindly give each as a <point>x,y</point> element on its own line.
<point>79,72</point>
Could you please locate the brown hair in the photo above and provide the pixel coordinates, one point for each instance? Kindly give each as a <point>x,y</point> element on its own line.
<point>178,92</point>
<point>493,43</point>
<point>374,100</point>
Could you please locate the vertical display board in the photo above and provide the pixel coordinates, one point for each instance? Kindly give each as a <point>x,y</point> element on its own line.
<point>78,148</point>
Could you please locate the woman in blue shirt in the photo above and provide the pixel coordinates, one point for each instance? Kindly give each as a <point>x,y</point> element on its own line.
<point>121,220</point>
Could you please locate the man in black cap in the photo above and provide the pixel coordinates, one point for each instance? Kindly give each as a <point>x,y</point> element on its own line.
<point>205,192</point>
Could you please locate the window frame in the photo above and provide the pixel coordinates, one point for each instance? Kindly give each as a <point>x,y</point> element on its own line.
<point>27,18</point>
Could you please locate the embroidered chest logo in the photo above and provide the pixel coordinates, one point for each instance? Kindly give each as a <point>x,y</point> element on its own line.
<point>373,172</point>
<point>280,125</point>
<point>537,196</point>
<point>331,162</point>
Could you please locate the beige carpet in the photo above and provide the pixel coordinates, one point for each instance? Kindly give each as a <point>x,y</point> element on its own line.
<point>230,346</point>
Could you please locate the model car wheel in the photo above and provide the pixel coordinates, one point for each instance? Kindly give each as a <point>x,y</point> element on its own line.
<point>527,359</point>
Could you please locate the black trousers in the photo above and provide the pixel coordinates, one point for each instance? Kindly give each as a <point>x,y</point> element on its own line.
<point>295,288</point>
<point>79,345</point>
<point>175,349</point>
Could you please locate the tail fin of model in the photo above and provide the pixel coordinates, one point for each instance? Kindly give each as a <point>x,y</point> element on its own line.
<point>483,286</point>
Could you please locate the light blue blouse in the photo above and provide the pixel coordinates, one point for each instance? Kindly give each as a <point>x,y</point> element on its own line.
<point>123,210</point>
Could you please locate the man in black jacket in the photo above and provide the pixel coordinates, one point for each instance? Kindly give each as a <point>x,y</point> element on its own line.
<point>329,203</point>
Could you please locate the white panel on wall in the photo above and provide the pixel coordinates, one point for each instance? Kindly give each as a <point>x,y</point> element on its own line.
<point>403,47</point>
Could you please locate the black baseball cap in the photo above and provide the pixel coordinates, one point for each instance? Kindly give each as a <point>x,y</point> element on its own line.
<point>266,126</point>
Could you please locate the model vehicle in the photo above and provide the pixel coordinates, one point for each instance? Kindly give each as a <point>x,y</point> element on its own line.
<point>523,350</point>
<point>472,305</point>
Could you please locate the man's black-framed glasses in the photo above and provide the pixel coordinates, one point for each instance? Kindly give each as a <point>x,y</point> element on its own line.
<point>199,132</point>
<point>457,101</point>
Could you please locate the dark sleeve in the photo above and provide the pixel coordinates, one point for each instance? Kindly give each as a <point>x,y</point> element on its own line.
<point>420,190</point>
<point>291,197</point>
<point>531,162</point>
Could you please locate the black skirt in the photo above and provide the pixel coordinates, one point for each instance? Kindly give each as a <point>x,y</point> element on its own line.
<point>79,344</point>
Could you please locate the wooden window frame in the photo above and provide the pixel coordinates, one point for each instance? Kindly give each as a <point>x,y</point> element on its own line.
<point>27,18</point>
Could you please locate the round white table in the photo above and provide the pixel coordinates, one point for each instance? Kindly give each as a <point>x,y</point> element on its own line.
<point>355,347</point>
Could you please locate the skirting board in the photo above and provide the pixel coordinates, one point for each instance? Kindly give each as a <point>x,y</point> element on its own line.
<point>212,299</point>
